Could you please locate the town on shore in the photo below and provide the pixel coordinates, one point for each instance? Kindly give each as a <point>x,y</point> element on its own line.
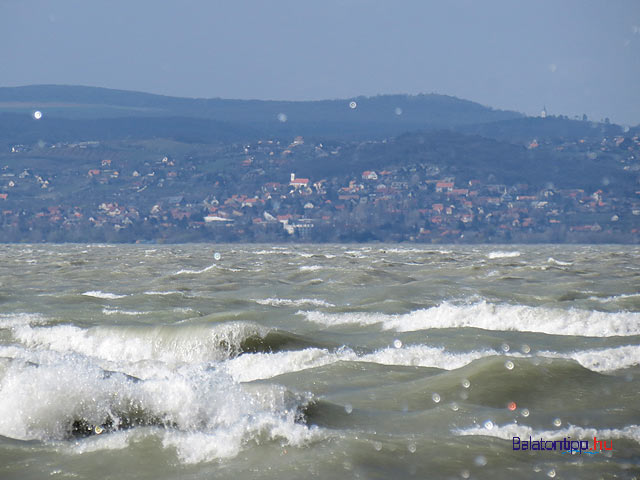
<point>280,190</point>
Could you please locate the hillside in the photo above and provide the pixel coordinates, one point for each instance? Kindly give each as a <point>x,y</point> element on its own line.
<point>380,115</point>
<point>426,168</point>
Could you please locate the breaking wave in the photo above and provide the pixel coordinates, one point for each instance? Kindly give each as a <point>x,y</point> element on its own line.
<point>489,316</point>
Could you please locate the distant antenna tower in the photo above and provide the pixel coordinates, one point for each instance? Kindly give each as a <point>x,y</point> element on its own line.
<point>543,114</point>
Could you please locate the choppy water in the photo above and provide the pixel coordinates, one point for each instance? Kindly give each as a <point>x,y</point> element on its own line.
<point>317,361</point>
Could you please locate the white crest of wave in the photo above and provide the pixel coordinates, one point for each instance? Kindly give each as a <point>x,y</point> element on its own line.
<point>278,302</point>
<point>310,268</point>
<point>260,366</point>
<point>208,416</point>
<point>103,295</point>
<point>117,311</point>
<point>12,320</point>
<point>603,360</point>
<point>186,271</point>
<point>503,254</point>
<point>170,344</point>
<point>507,432</point>
<point>558,262</point>
<point>488,316</point>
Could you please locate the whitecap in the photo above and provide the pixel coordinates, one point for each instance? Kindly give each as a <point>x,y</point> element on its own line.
<point>507,432</point>
<point>503,254</point>
<point>488,316</point>
<point>278,302</point>
<point>103,295</point>
<point>195,272</point>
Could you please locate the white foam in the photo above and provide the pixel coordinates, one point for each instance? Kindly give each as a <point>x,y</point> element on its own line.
<point>170,292</point>
<point>116,311</point>
<point>489,316</point>
<point>615,298</point>
<point>503,254</point>
<point>278,302</point>
<point>260,366</point>
<point>207,414</point>
<point>558,262</point>
<point>425,356</point>
<point>507,432</point>
<point>169,344</point>
<point>195,272</point>
<point>103,295</point>
<point>310,268</point>
<point>12,320</point>
<point>602,360</point>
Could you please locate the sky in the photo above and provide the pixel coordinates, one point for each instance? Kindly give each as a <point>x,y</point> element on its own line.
<point>573,57</point>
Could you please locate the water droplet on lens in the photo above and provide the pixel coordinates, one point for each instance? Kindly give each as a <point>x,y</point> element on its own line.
<point>217,256</point>
<point>512,406</point>
<point>348,408</point>
<point>465,474</point>
<point>551,473</point>
<point>466,383</point>
<point>488,425</point>
<point>509,365</point>
<point>398,111</point>
<point>526,348</point>
<point>352,105</point>
<point>377,446</point>
<point>525,412</point>
<point>282,117</point>
<point>412,447</point>
<point>505,347</point>
<point>435,397</point>
<point>37,114</point>
<point>480,460</point>
<point>397,343</point>
<point>454,407</point>
<point>557,422</point>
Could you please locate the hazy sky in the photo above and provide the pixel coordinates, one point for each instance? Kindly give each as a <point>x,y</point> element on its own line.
<point>574,57</point>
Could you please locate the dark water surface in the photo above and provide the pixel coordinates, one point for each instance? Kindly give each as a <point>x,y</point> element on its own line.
<point>318,361</point>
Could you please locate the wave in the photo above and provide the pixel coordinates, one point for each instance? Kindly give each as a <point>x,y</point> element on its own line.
<point>310,268</point>
<point>503,254</point>
<point>103,295</point>
<point>488,316</point>
<point>558,262</point>
<point>12,320</point>
<point>265,365</point>
<point>169,344</point>
<point>204,415</point>
<point>277,302</point>
<point>195,272</point>
<point>602,360</point>
<point>116,311</point>
<point>507,432</point>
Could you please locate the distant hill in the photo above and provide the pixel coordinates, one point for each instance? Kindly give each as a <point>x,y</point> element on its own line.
<point>556,129</point>
<point>379,115</point>
<point>474,157</point>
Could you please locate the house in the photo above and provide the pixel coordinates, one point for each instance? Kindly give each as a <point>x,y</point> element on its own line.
<point>298,182</point>
<point>444,186</point>
<point>3,196</point>
<point>369,175</point>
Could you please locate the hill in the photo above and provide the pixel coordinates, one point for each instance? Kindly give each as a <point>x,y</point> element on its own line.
<point>364,116</point>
